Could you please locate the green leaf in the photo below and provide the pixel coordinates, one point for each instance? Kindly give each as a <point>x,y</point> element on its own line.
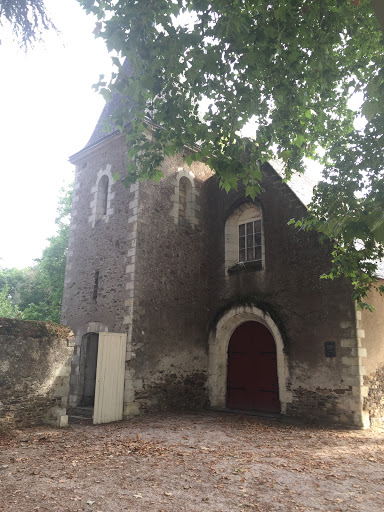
<point>299,141</point>
<point>285,155</point>
<point>106,93</point>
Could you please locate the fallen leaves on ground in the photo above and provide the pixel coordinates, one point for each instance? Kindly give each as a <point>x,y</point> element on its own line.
<point>192,462</point>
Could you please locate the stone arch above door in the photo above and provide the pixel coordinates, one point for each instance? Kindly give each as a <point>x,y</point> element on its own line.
<point>218,353</point>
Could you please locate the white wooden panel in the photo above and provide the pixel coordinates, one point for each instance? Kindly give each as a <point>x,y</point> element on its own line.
<point>109,393</point>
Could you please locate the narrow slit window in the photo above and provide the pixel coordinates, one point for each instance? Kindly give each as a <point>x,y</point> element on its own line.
<point>96,285</point>
<point>102,196</point>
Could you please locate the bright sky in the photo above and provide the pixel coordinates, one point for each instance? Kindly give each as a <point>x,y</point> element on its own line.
<point>48,111</point>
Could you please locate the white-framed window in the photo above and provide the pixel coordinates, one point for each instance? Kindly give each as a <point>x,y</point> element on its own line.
<point>250,240</point>
<point>244,238</point>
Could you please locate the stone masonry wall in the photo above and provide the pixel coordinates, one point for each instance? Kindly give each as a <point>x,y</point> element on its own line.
<point>171,313</point>
<point>102,246</point>
<point>34,373</point>
<point>308,311</point>
<point>158,267</point>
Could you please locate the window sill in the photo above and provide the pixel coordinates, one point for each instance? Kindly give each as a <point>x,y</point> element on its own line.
<point>245,266</point>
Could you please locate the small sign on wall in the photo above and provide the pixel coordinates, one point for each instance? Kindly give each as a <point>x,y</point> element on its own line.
<point>330,348</point>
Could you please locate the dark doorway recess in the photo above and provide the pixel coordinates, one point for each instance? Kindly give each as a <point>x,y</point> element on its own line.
<point>252,382</point>
<point>90,347</point>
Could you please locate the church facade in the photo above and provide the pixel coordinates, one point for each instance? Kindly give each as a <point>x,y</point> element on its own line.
<point>183,296</point>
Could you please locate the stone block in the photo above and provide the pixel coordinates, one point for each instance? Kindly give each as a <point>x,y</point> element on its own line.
<point>131,409</point>
<point>63,421</point>
<point>61,390</point>
<point>134,187</point>
<point>64,370</point>
<point>348,343</point>
<point>350,361</point>
<point>356,370</point>
<point>129,394</point>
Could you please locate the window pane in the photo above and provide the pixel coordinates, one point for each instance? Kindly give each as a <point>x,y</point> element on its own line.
<point>249,240</point>
<point>257,238</point>
<point>242,242</point>
<point>242,230</point>
<point>249,228</point>
<point>258,253</point>
<point>250,254</point>
<point>258,226</point>
<point>242,255</point>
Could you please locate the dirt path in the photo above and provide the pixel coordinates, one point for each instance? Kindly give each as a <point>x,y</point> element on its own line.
<point>192,462</point>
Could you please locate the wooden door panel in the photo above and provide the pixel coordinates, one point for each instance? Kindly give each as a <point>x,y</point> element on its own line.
<point>252,382</point>
<point>110,374</point>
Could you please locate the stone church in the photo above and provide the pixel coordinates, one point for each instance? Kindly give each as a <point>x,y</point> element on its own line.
<point>181,295</point>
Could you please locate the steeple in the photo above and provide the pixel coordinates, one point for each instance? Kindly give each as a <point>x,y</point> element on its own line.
<point>101,132</point>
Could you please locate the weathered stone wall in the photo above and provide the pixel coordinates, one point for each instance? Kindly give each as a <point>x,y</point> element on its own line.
<point>308,311</point>
<point>34,373</point>
<point>102,244</point>
<point>371,340</point>
<point>171,312</point>
<point>146,288</point>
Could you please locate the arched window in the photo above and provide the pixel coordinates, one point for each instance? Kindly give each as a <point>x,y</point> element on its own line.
<point>184,206</point>
<point>102,196</point>
<point>185,198</point>
<point>244,245</point>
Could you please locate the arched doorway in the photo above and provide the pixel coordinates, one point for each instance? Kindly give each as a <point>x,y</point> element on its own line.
<point>252,378</point>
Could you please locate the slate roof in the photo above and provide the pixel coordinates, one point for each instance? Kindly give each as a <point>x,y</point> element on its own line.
<point>301,184</point>
<point>101,132</point>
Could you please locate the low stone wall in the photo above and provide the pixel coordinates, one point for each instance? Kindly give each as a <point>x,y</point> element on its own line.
<point>374,402</point>
<point>35,364</point>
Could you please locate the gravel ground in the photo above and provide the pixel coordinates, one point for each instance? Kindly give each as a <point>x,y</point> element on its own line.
<point>207,461</point>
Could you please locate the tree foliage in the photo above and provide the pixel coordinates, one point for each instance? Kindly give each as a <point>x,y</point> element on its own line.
<point>7,308</point>
<point>289,66</point>
<point>28,18</point>
<point>35,293</point>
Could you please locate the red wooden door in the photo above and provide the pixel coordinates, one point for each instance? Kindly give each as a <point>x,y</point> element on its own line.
<point>252,382</point>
